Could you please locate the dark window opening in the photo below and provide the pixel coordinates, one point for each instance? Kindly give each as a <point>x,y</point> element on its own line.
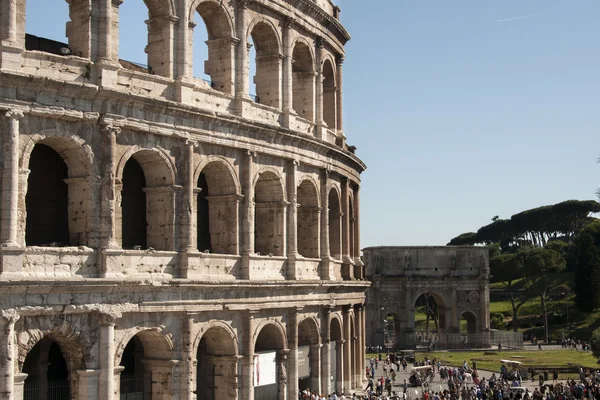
<point>132,377</point>
<point>47,373</point>
<point>203,240</point>
<point>134,206</point>
<point>47,199</point>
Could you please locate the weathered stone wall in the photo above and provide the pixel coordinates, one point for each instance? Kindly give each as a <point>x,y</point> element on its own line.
<point>199,220</point>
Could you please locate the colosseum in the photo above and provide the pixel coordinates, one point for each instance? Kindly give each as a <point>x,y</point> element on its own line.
<point>169,237</point>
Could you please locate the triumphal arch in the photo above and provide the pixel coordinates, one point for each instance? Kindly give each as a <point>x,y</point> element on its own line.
<point>167,235</point>
<point>447,285</point>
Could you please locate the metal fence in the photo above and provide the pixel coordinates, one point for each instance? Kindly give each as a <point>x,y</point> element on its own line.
<point>132,387</point>
<point>54,390</point>
<point>485,340</point>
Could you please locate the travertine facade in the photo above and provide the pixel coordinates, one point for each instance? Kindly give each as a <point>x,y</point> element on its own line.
<point>158,231</point>
<point>457,277</point>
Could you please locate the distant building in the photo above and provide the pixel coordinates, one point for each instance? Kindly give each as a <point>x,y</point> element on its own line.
<point>453,279</point>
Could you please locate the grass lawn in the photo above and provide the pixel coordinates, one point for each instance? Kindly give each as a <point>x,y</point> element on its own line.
<point>491,362</point>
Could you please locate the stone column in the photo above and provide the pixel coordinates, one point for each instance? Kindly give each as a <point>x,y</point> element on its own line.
<point>340,121</point>
<point>189,196</point>
<point>325,250</point>
<point>360,333</point>
<point>109,196</point>
<point>325,350</point>
<point>89,380</point>
<point>287,96</point>
<point>106,360</point>
<point>292,219</point>
<point>292,331</point>
<point>8,354</point>
<point>346,256</point>
<point>247,213</point>
<point>10,180</point>
<point>321,126</point>
<point>19,386</point>
<point>161,377</point>
<point>107,53</point>
<point>357,260</point>
<point>188,359</point>
<point>241,73</point>
<point>315,367</point>
<point>283,375</point>
<point>248,362</point>
<point>11,44</point>
<point>347,338</point>
<point>453,324</point>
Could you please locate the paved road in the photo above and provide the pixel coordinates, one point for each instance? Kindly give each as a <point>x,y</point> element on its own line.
<point>437,384</point>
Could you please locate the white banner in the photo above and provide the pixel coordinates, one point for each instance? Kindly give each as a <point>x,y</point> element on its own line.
<point>265,369</point>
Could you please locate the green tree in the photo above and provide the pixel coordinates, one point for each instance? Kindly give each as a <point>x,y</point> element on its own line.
<point>573,215</point>
<point>595,342</point>
<point>507,269</point>
<point>586,254</point>
<point>468,238</point>
<point>538,264</point>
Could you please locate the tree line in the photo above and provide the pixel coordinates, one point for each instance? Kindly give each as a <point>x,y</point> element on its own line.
<point>528,247</point>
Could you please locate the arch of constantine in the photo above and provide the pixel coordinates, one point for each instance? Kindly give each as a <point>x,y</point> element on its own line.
<point>453,280</point>
<point>168,237</point>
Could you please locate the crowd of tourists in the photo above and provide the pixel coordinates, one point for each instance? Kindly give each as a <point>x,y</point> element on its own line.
<point>462,383</point>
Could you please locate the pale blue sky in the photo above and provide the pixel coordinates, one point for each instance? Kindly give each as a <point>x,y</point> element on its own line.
<point>458,116</point>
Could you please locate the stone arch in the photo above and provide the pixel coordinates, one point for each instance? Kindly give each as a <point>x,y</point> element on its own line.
<point>221,44</point>
<point>223,327</point>
<point>147,362</point>
<point>162,17</point>
<point>303,79</point>
<point>269,213</point>
<point>267,47</point>
<point>336,330</point>
<point>158,166</point>
<point>308,218</point>
<point>276,330</point>
<point>308,328</point>
<point>216,351</point>
<point>442,302</point>
<point>146,217</point>
<point>329,94</point>
<point>471,322</point>
<point>75,152</point>
<point>217,206</point>
<point>219,22</point>
<point>72,193</point>
<point>335,222</point>
<point>225,170</point>
<point>153,336</point>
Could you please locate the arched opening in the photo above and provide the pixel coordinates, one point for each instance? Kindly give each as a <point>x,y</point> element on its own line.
<point>48,375</point>
<point>134,40</point>
<point>308,220</point>
<point>391,328</point>
<point>335,225</point>
<point>269,365</point>
<point>216,372</point>
<point>47,199</point>
<point>147,209</point>
<point>147,367</point>
<point>43,33</point>
<point>200,49</point>
<point>303,82</point>
<point>203,216</point>
<point>308,355</point>
<point>267,63</point>
<point>269,215</point>
<point>217,210</point>
<point>353,354</point>
<point>133,204</point>
<point>429,318</point>
<point>335,355</point>
<point>468,323</point>
<point>329,96</point>
<point>218,64</point>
